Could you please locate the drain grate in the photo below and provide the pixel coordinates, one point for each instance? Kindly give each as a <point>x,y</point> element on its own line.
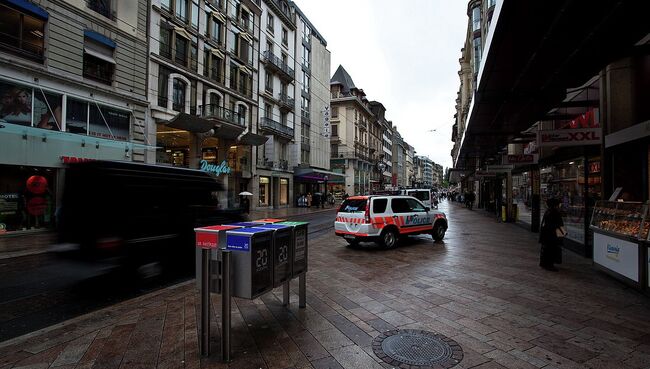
<point>409,347</point>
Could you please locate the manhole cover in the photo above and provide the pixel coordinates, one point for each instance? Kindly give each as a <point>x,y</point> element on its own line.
<point>406,347</point>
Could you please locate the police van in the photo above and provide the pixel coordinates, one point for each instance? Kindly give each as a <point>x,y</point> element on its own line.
<point>386,218</point>
<point>422,194</point>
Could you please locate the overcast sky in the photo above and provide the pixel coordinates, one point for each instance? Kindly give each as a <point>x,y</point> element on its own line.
<point>403,54</point>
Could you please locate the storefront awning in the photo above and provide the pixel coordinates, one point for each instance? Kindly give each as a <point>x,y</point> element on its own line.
<point>227,131</point>
<point>253,139</point>
<point>190,123</point>
<point>315,174</point>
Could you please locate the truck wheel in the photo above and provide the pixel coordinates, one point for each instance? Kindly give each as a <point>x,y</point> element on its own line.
<point>388,239</point>
<point>438,232</point>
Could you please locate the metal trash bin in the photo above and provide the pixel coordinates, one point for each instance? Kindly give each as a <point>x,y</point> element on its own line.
<point>269,220</point>
<point>282,252</point>
<point>299,247</point>
<point>252,261</point>
<point>214,238</point>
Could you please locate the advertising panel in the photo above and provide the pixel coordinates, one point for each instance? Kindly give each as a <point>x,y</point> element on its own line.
<point>617,255</point>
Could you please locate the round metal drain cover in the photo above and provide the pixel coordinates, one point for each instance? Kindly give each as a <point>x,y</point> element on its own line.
<point>419,349</point>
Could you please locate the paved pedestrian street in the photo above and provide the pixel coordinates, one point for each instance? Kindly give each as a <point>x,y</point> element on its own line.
<point>482,288</point>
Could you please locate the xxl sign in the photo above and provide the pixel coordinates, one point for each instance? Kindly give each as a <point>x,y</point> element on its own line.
<point>570,137</point>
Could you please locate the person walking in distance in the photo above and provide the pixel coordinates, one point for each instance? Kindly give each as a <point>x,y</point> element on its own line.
<point>550,236</point>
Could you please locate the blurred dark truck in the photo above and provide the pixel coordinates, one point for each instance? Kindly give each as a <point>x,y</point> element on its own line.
<point>133,215</point>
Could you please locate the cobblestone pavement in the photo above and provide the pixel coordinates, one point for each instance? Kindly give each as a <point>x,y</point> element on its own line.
<point>481,287</point>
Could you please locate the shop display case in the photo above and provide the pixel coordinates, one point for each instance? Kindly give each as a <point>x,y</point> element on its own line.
<point>621,240</point>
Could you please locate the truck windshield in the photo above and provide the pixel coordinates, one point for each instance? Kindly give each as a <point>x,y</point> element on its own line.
<point>353,206</point>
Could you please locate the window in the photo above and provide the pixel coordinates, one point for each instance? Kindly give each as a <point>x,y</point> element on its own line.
<point>21,34</point>
<point>181,10</point>
<point>268,111</point>
<point>269,46</point>
<point>284,191</point>
<point>335,130</point>
<point>353,206</point>
<point>178,95</point>
<point>246,21</point>
<point>166,4</point>
<point>306,31</point>
<point>245,51</point>
<point>268,81</point>
<point>400,205</point>
<point>165,41</point>
<point>213,67</point>
<point>104,118</point>
<point>415,205</point>
<point>195,15</point>
<point>477,54</point>
<point>305,82</point>
<point>264,191</point>
<point>379,206</point>
<point>215,34</point>
<point>181,50</point>
<point>234,70</point>
<point>242,111</point>
<point>163,78</point>
<point>76,114</point>
<point>285,36</point>
<point>194,54</point>
<point>335,111</point>
<point>232,40</point>
<point>269,22</point>
<point>305,56</point>
<point>233,5</point>
<point>283,118</point>
<point>476,19</point>
<point>245,83</point>
<point>98,60</point>
<point>102,7</point>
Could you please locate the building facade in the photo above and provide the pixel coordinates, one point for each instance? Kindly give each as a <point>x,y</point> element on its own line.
<point>399,160</point>
<point>386,144</point>
<point>73,87</point>
<point>351,118</point>
<point>202,67</point>
<point>311,149</point>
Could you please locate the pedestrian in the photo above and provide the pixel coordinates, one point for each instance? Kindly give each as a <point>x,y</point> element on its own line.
<point>550,236</point>
<point>309,199</point>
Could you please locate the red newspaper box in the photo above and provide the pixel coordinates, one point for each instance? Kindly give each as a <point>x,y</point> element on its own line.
<point>210,238</point>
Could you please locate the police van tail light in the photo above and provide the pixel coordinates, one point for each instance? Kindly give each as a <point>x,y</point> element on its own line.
<point>366,218</point>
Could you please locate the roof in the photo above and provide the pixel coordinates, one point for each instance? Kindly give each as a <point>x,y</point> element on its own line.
<point>341,76</point>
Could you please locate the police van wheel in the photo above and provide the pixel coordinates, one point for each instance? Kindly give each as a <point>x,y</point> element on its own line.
<point>438,232</point>
<point>388,239</point>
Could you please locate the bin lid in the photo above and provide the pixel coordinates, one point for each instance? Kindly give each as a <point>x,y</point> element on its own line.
<point>269,220</point>
<point>293,224</point>
<point>249,231</point>
<point>216,228</point>
<point>245,224</point>
<point>274,226</point>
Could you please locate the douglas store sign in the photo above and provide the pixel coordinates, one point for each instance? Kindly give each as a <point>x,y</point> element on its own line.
<point>217,170</point>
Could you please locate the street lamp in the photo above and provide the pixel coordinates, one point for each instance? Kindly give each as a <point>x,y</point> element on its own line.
<point>325,179</point>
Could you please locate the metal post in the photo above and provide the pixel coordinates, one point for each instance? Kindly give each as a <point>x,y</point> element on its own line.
<point>205,302</point>
<point>225,305</point>
<point>302,290</point>
<point>285,293</point>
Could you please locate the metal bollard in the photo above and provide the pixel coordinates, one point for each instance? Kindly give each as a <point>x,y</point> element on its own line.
<point>302,290</point>
<point>285,293</point>
<point>205,302</point>
<point>225,305</point>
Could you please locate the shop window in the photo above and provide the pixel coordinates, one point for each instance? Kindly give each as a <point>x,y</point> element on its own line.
<point>109,123</point>
<point>27,199</point>
<point>99,64</point>
<point>178,95</point>
<point>21,33</point>
<point>264,191</point>
<point>17,107</point>
<point>284,191</point>
<point>76,113</point>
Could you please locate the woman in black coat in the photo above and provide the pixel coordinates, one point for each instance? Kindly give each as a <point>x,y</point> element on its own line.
<point>550,236</point>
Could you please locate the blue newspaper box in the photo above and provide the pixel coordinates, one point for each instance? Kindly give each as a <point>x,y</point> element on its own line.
<point>246,224</point>
<point>282,252</point>
<point>252,261</point>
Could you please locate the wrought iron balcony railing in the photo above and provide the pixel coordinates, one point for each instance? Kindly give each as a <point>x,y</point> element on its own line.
<point>273,60</point>
<point>269,124</point>
<point>214,111</point>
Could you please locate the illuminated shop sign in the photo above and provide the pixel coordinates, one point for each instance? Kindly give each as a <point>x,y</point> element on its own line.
<point>217,170</point>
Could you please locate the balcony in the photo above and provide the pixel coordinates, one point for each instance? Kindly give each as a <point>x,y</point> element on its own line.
<point>269,125</point>
<point>305,144</point>
<point>274,63</point>
<point>214,111</point>
<point>287,103</point>
<point>264,163</point>
<point>282,165</point>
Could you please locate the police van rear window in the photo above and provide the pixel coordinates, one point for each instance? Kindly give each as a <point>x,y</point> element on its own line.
<point>353,206</point>
<point>420,195</point>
